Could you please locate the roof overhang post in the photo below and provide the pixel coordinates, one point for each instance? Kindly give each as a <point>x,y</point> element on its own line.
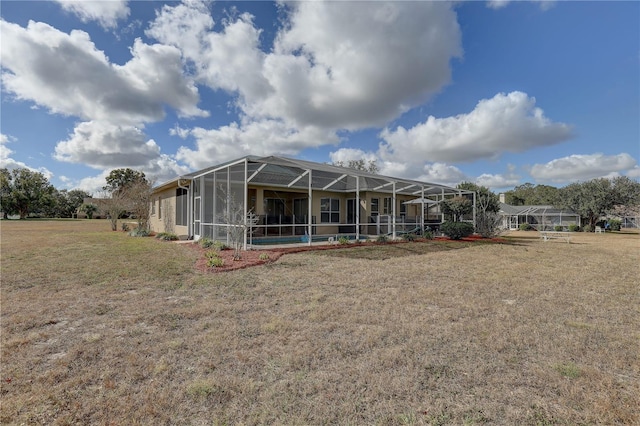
<point>310,212</point>
<point>357,207</point>
<point>422,214</point>
<point>441,212</point>
<point>393,209</point>
<point>474,210</point>
<point>246,202</point>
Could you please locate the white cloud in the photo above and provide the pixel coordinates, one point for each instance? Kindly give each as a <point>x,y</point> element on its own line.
<point>265,137</point>
<point>68,75</point>
<point>9,163</point>
<point>634,172</point>
<point>327,68</point>
<point>507,122</point>
<point>105,12</point>
<point>344,155</point>
<point>583,167</point>
<point>499,181</point>
<point>499,4</point>
<point>101,145</point>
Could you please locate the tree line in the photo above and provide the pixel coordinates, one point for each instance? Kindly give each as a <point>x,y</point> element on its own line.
<point>28,193</point>
<point>25,192</point>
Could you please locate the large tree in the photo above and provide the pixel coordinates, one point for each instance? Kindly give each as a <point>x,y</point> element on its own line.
<point>119,179</point>
<point>66,203</point>
<point>487,208</point>
<point>25,191</point>
<point>529,194</point>
<point>598,197</point>
<point>128,190</point>
<point>7,204</point>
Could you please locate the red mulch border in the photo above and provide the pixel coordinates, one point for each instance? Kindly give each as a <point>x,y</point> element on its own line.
<point>252,257</point>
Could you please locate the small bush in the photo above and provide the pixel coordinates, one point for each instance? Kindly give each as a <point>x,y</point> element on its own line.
<point>219,246</point>
<point>587,228</point>
<point>574,228</point>
<point>125,227</point>
<point>525,227</point>
<point>382,239</point>
<point>457,230</point>
<point>264,257</point>
<point>558,228</point>
<point>210,254</point>
<point>215,262</point>
<point>166,236</point>
<point>213,259</point>
<point>343,240</point>
<point>138,232</point>
<point>428,235</point>
<point>409,237</point>
<point>205,242</point>
<point>615,224</point>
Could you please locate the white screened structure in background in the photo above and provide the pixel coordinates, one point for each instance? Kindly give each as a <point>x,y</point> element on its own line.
<point>542,218</point>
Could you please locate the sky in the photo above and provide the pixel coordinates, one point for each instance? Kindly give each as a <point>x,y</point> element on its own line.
<point>499,93</point>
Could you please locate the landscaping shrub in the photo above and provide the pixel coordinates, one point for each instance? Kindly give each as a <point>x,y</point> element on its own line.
<point>382,239</point>
<point>139,232</point>
<point>558,228</point>
<point>457,230</point>
<point>428,234</point>
<point>213,259</point>
<point>587,228</point>
<point>205,242</point>
<point>525,227</point>
<point>125,227</point>
<point>166,236</point>
<point>574,228</point>
<point>409,237</point>
<point>615,224</point>
<point>264,256</point>
<point>343,240</point>
<point>215,262</point>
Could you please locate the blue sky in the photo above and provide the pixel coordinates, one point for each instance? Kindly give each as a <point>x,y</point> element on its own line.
<point>499,93</point>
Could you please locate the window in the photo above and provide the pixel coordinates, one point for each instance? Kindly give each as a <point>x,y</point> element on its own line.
<point>181,206</point>
<point>159,208</point>
<point>387,206</point>
<point>403,209</point>
<point>375,206</point>
<point>329,210</point>
<point>153,207</point>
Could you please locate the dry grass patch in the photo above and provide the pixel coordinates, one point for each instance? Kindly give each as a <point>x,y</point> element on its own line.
<point>101,328</point>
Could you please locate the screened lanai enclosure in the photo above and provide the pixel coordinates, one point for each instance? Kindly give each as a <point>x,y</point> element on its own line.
<point>541,218</point>
<point>277,200</point>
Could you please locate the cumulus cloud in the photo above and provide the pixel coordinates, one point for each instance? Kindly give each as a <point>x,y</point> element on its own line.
<point>264,137</point>
<point>583,167</point>
<point>67,74</point>
<point>344,155</point>
<point>10,163</point>
<point>101,145</point>
<point>105,12</point>
<point>327,69</point>
<point>493,181</point>
<point>505,123</point>
<point>326,72</point>
<point>499,4</point>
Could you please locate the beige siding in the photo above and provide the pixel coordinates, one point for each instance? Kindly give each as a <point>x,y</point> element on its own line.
<point>163,216</point>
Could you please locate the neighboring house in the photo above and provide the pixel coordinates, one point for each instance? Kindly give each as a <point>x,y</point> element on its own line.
<point>542,218</point>
<point>278,199</point>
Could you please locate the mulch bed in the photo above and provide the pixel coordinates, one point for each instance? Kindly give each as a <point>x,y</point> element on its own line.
<point>252,257</point>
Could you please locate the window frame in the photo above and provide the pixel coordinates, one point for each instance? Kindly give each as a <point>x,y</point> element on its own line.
<point>329,210</point>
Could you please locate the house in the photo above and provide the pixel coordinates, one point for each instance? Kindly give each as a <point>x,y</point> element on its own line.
<point>277,200</point>
<point>541,218</point>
